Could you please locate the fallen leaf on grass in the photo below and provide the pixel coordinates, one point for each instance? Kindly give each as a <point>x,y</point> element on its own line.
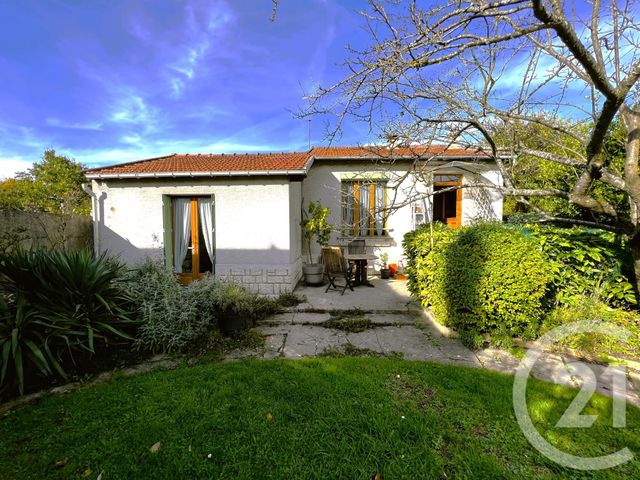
<point>61,463</point>
<point>269,417</point>
<point>155,447</point>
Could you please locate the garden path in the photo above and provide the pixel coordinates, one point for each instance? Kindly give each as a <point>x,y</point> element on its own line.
<point>385,321</point>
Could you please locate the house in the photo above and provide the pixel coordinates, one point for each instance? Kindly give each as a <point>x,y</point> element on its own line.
<point>238,215</point>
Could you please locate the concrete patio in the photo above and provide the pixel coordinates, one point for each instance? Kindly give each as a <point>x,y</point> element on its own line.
<point>396,326</point>
<point>385,295</point>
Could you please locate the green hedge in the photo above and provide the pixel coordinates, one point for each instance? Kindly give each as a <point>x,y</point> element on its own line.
<point>586,262</point>
<point>483,279</point>
<point>503,280</point>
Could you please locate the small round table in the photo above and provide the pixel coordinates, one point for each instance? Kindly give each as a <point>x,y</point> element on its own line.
<point>361,260</point>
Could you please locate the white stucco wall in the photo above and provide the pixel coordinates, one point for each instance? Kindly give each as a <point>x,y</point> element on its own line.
<point>257,219</point>
<point>323,184</point>
<point>253,227</point>
<point>481,204</point>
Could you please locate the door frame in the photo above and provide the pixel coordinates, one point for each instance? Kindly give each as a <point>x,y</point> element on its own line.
<point>169,227</point>
<point>453,222</point>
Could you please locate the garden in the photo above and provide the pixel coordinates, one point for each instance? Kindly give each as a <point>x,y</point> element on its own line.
<point>66,315</point>
<point>501,283</point>
<point>315,418</point>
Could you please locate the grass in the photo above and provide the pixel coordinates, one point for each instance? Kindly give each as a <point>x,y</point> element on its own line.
<point>318,418</point>
<point>218,346</point>
<point>351,325</point>
<point>352,321</point>
<point>350,350</point>
<point>290,299</point>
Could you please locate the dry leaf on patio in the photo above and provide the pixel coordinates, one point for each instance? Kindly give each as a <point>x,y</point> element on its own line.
<point>155,447</point>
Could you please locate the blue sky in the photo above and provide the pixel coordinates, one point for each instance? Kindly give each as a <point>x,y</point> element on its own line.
<point>118,80</point>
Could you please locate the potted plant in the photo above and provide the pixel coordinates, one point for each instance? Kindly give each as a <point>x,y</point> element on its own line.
<point>315,225</point>
<point>234,308</point>
<point>384,270</point>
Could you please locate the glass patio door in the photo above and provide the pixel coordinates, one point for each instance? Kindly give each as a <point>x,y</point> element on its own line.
<point>193,234</point>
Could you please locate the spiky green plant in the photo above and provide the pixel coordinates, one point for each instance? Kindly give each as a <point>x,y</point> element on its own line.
<point>58,304</point>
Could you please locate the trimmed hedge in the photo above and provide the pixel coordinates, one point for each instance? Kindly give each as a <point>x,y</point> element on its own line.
<point>483,279</point>
<point>503,280</point>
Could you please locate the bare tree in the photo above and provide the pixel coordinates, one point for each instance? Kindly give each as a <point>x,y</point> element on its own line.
<point>460,71</point>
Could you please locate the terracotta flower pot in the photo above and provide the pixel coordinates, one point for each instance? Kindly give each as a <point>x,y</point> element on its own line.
<point>393,269</point>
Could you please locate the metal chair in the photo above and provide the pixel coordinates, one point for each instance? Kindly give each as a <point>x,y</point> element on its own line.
<point>336,267</point>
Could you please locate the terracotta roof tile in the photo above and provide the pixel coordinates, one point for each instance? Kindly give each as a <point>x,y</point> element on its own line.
<point>263,162</point>
<point>374,151</point>
<point>177,163</point>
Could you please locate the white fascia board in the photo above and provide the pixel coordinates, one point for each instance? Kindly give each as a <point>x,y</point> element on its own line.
<point>235,173</point>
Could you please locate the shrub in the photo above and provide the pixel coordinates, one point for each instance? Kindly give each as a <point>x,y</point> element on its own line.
<point>483,279</point>
<point>586,262</point>
<point>57,306</point>
<point>589,308</point>
<point>172,318</point>
<point>176,318</point>
<point>232,299</point>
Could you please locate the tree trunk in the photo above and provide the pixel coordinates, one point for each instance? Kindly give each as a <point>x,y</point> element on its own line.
<point>635,253</point>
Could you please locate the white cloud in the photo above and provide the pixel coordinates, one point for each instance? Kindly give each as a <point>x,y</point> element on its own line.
<point>56,122</point>
<point>10,166</point>
<point>203,25</point>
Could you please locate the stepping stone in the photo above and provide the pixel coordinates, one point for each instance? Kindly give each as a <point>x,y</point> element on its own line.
<point>498,360</point>
<point>310,341</point>
<point>285,318</point>
<point>391,318</point>
<point>309,317</point>
<point>408,341</point>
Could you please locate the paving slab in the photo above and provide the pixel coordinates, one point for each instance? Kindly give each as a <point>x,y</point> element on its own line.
<point>416,336</point>
<point>392,318</point>
<point>385,295</point>
<point>311,341</point>
<point>498,360</point>
<point>279,318</point>
<point>407,341</point>
<point>310,317</point>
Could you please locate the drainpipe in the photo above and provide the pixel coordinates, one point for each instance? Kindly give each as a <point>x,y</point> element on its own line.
<point>95,211</point>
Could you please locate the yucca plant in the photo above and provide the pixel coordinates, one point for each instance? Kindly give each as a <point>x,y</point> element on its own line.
<point>57,304</point>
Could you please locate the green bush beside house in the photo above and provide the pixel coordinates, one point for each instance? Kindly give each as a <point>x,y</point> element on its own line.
<point>485,279</point>
<point>506,281</point>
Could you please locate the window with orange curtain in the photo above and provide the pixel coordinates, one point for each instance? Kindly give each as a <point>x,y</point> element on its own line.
<point>363,205</point>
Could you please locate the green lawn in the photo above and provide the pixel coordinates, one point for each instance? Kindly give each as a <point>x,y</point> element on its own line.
<point>317,418</point>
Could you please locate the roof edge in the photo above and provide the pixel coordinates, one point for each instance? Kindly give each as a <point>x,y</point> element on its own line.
<point>228,173</point>
<point>133,162</point>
